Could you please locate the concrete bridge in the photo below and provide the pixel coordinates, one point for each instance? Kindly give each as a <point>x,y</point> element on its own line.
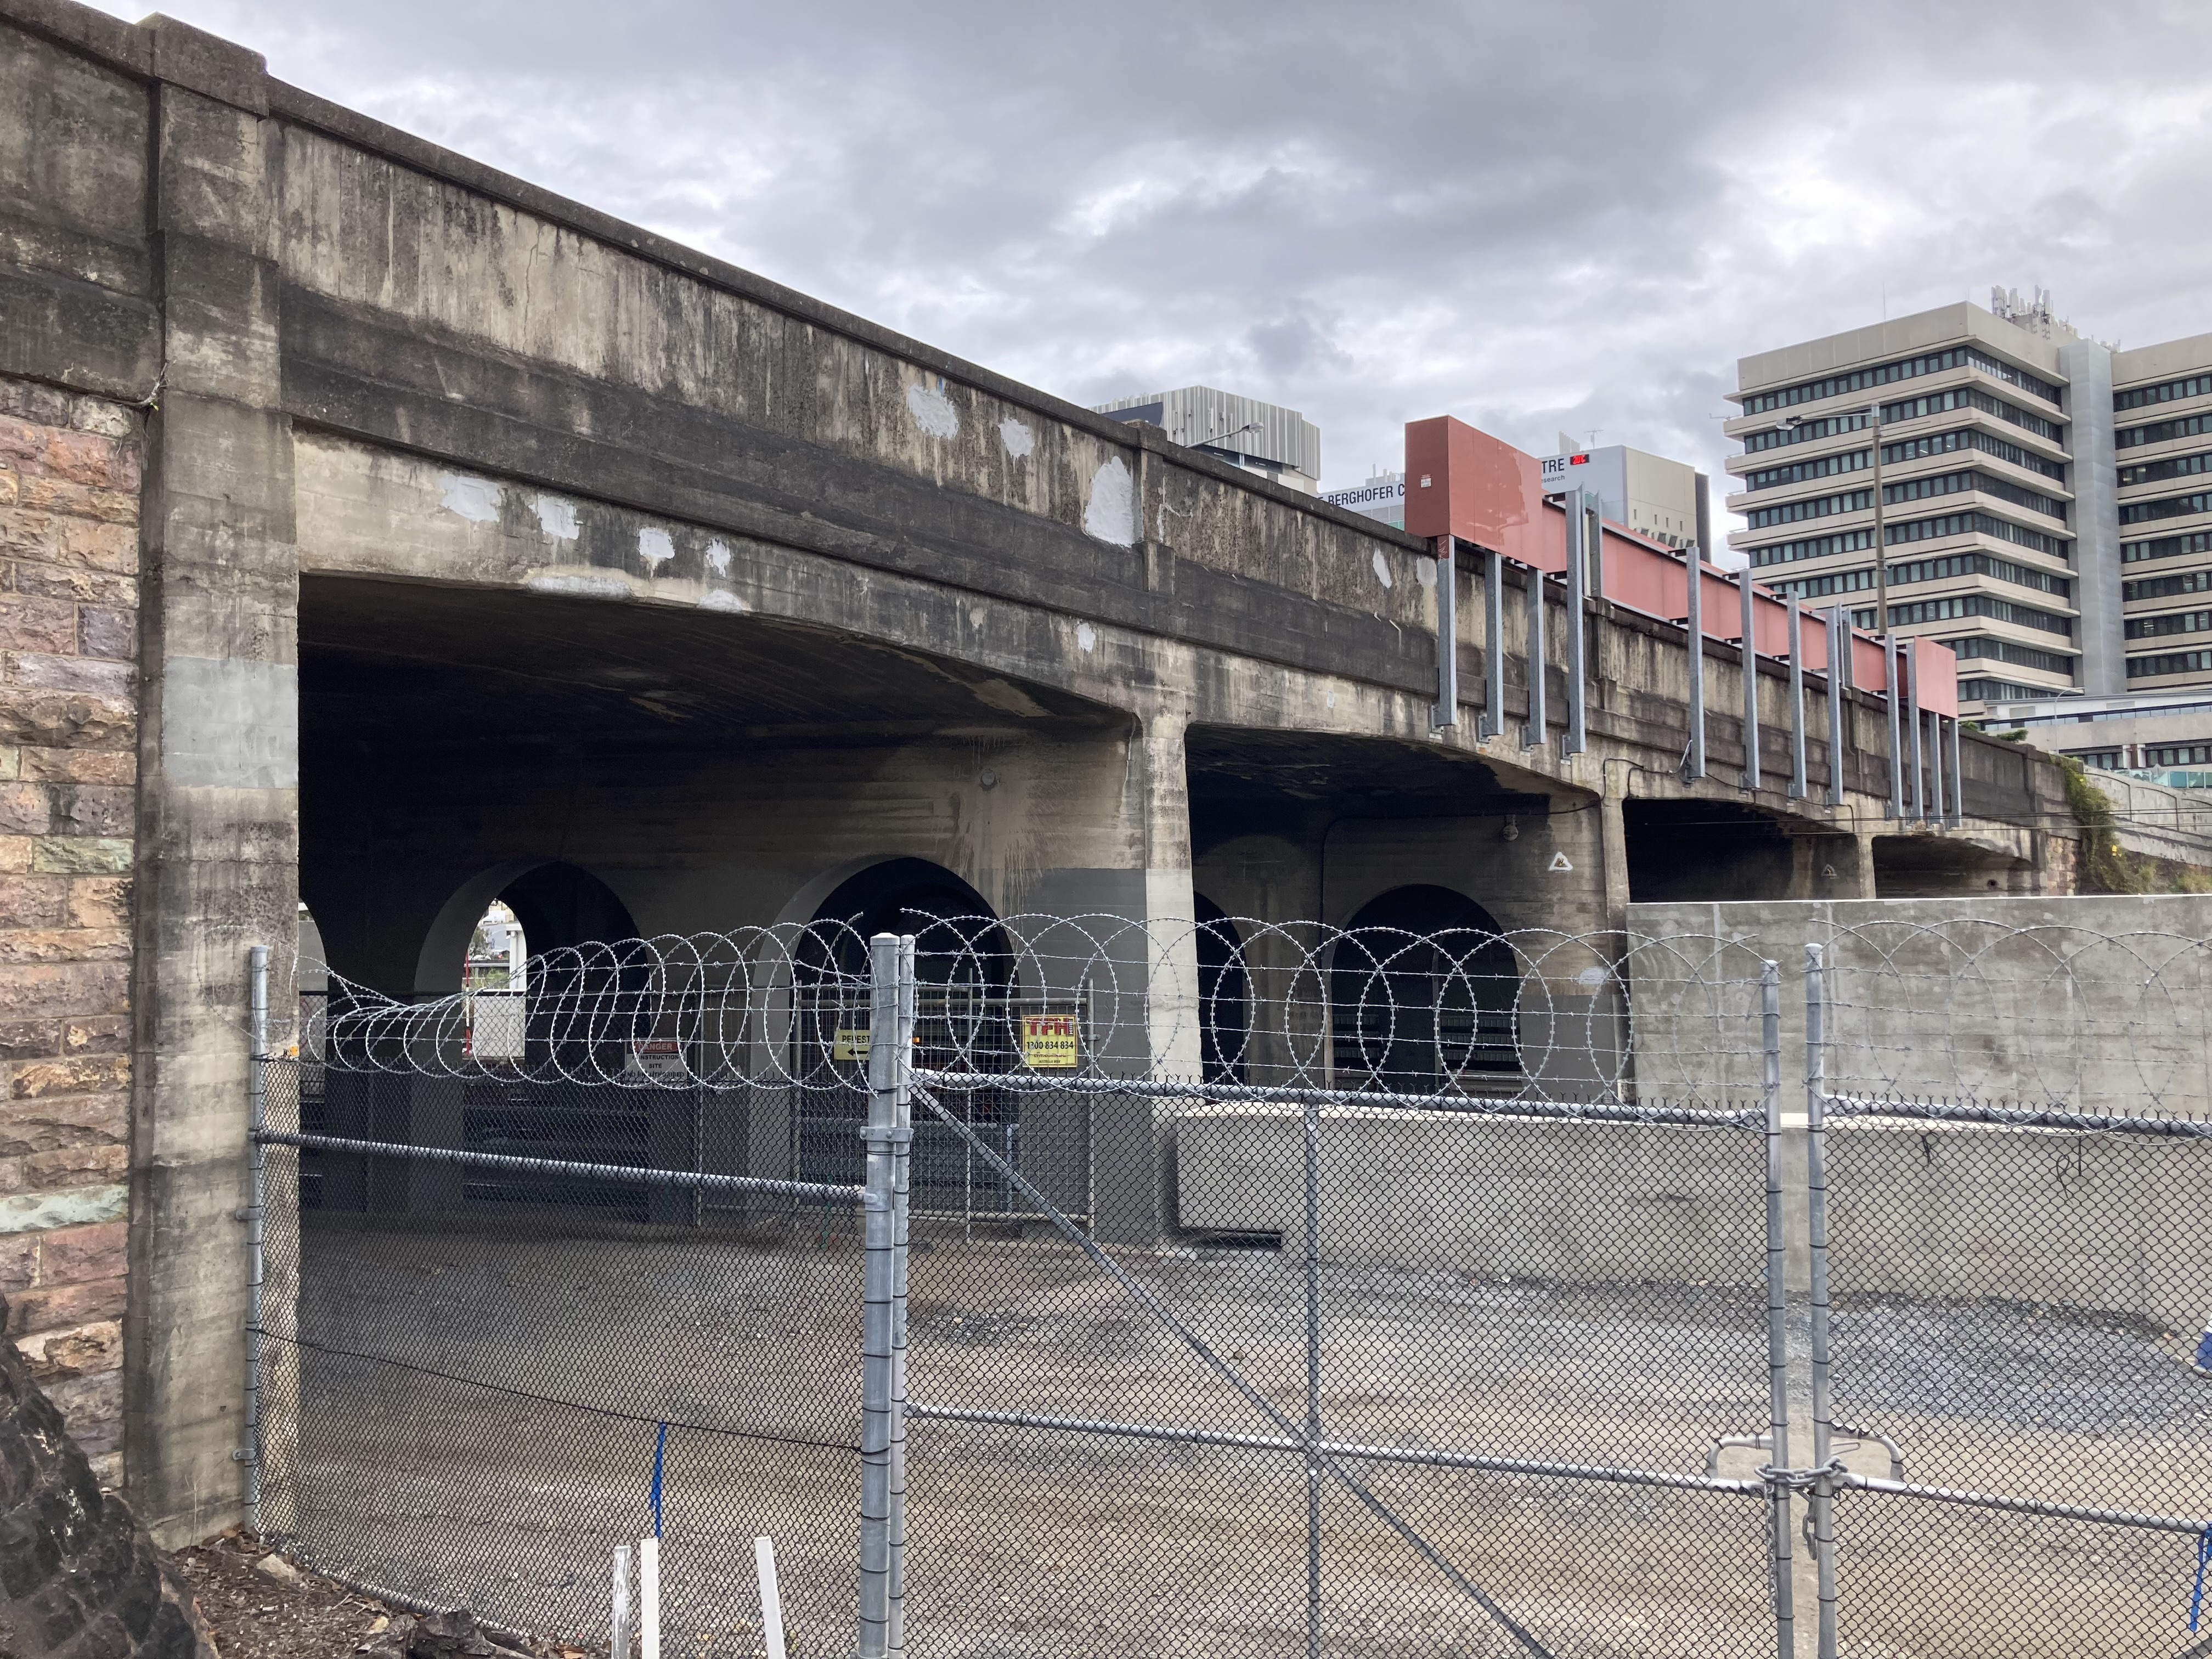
<point>389,534</point>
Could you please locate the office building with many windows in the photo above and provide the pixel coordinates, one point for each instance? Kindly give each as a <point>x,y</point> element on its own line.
<point>2040,501</point>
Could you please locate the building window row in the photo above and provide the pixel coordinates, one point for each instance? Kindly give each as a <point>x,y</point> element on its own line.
<point>1836,386</point>
<point>1930,570</point>
<point>2098,760</point>
<point>2177,622</point>
<point>2178,754</point>
<point>1945,443</point>
<point>2188,426</point>
<point>2174,466</point>
<point>2167,392</point>
<point>2170,662</point>
<point>2166,507</point>
<point>1953,483</point>
<point>1980,647</point>
<point>1967,397</point>
<point>2166,547</point>
<point>1803,471</point>
<point>1985,690</point>
<point>1805,432</point>
<point>1813,547</point>
<point>1977,604</point>
<point>2166,587</point>
<point>1960,523</point>
<point>1819,506</point>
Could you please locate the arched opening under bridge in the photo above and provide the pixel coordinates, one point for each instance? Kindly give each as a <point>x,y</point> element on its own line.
<point>1423,994</point>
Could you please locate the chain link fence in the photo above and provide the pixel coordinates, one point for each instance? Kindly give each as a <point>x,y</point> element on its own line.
<point>1071,1286</point>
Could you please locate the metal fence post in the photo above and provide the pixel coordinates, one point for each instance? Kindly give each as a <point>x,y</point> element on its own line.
<point>256,968</point>
<point>1777,1318</point>
<point>901,1190</point>
<point>1816,1216</point>
<point>891,1032</point>
<point>1313,1376</point>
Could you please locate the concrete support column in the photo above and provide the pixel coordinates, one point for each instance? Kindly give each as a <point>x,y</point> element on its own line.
<point>219,768</point>
<point>1133,1138</point>
<point>1170,904</point>
<point>1858,882</point>
<point>1613,844</point>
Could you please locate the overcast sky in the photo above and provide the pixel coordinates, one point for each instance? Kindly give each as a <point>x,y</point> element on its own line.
<point>1534,216</point>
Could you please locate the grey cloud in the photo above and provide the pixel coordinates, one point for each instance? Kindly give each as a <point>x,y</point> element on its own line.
<point>1528,216</point>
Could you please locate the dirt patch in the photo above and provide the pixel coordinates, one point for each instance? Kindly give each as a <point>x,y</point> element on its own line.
<point>261,1605</point>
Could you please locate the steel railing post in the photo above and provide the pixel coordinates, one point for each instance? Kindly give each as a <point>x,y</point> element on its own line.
<point>1839,662</point>
<point>1447,709</point>
<point>1957,797</point>
<point>1532,733</point>
<point>1798,787</point>
<point>1747,599</point>
<point>1694,560</point>
<point>1816,1219</point>
<point>256,1237</point>
<point>1911,712</point>
<point>1894,808</point>
<point>1578,533</point>
<point>890,1034</point>
<point>1493,646</point>
<point>1777,1318</point>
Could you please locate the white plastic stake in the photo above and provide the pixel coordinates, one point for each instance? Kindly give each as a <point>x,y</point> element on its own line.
<point>771,1600</point>
<point>618,1620</point>
<point>648,1598</point>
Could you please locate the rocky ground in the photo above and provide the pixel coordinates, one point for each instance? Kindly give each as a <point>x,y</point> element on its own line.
<point>260,1606</point>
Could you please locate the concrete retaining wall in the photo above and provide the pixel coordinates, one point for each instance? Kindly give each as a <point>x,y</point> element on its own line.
<point>2103,1004</point>
<point>2116,1223</point>
<point>1442,1191</point>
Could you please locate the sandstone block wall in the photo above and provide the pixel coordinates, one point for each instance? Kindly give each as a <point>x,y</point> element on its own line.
<point>69,470</point>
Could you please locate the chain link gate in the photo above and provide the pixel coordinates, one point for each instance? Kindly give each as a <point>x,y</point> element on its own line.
<point>1562,1360</point>
<point>2007,1300</point>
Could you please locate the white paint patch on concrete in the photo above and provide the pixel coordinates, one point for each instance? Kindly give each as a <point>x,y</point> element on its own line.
<point>476,500</point>
<point>655,548</point>
<point>1086,637</point>
<point>1426,569</point>
<point>933,411</point>
<point>1382,569</point>
<point>1111,515</point>
<point>557,517</point>
<point>718,558</point>
<point>1332,699</point>
<point>718,600</point>
<point>230,723</point>
<point>580,586</point>
<point>1018,439</point>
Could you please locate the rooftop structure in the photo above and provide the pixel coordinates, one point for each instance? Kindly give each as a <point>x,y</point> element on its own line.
<point>1276,443</point>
